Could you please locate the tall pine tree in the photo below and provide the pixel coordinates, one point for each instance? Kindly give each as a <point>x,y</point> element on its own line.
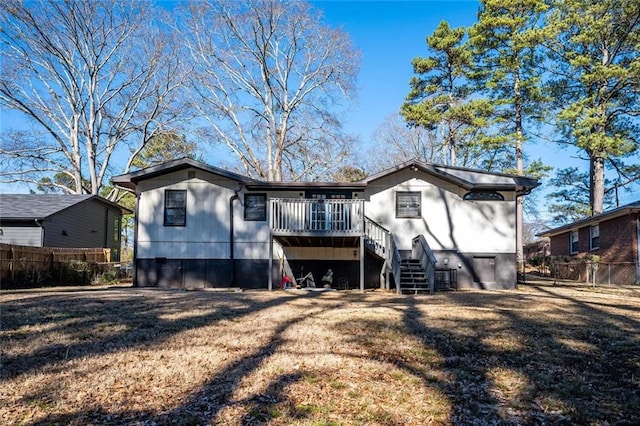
<point>439,98</point>
<point>595,52</point>
<point>505,41</point>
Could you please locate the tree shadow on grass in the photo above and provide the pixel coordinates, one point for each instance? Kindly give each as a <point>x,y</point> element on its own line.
<point>200,407</point>
<point>571,369</point>
<point>498,358</point>
<point>517,365</point>
<point>82,325</point>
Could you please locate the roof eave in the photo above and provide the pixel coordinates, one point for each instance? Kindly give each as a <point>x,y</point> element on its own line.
<point>284,186</point>
<point>589,220</point>
<point>129,180</point>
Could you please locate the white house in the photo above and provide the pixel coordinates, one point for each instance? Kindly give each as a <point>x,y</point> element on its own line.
<point>414,227</point>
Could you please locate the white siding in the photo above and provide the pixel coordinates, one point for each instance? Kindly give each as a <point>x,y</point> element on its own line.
<point>22,236</point>
<point>206,234</point>
<point>447,222</point>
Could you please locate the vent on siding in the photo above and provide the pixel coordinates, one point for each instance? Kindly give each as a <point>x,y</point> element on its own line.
<point>191,174</point>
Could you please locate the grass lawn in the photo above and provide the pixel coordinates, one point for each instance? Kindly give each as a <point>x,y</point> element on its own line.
<point>541,354</point>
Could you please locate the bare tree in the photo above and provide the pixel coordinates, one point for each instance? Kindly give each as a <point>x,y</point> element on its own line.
<point>95,81</point>
<point>395,141</point>
<point>271,80</point>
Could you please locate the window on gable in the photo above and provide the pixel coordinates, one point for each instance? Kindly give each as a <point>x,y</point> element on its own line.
<point>408,204</point>
<point>573,239</point>
<point>483,196</point>
<point>175,207</point>
<point>255,207</point>
<point>594,234</point>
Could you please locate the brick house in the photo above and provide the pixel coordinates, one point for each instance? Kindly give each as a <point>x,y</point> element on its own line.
<point>612,236</point>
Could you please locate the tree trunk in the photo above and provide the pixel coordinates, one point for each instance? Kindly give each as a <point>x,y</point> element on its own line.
<point>520,171</point>
<point>596,195</point>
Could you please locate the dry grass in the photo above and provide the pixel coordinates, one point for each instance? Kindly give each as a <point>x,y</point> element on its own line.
<point>540,354</point>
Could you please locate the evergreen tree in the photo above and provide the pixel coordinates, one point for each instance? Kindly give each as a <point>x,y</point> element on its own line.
<point>439,98</point>
<point>596,84</point>
<point>505,41</point>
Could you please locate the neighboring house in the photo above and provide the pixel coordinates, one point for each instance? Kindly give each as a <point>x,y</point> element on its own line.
<point>200,226</point>
<point>41,220</point>
<point>612,236</point>
<point>537,249</point>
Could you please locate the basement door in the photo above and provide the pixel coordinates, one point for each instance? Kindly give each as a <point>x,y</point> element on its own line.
<point>485,268</point>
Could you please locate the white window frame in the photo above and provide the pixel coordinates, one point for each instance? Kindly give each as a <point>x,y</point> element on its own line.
<point>594,235</point>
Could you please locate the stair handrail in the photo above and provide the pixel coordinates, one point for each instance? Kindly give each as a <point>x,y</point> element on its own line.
<point>421,250</point>
<point>378,235</point>
<point>396,261</point>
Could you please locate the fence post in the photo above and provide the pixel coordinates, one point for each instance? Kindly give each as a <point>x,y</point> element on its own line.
<point>11,266</point>
<point>51,263</point>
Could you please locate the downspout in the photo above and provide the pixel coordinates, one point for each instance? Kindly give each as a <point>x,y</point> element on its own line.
<point>136,214</point>
<point>234,197</point>
<point>519,233</point>
<point>134,272</point>
<point>638,249</point>
<point>105,240</point>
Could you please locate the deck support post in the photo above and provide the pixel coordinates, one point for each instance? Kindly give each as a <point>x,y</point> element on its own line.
<point>362,264</point>
<point>270,267</point>
<point>362,233</point>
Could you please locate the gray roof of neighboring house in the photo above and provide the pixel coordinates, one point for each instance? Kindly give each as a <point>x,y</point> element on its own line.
<point>466,178</point>
<point>41,206</point>
<point>633,207</point>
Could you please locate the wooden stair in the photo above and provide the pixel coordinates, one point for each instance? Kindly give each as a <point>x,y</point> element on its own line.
<point>412,277</point>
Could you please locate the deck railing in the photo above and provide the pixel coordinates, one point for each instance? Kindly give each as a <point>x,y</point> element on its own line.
<point>317,217</point>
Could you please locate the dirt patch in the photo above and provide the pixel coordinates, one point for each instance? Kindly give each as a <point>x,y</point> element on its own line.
<point>539,354</point>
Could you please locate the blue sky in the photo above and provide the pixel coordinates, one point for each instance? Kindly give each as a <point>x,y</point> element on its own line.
<point>389,35</point>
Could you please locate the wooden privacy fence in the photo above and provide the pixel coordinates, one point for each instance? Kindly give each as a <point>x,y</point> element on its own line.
<point>26,267</point>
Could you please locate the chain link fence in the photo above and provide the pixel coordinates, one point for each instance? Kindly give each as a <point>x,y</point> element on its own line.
<point>596,273</point>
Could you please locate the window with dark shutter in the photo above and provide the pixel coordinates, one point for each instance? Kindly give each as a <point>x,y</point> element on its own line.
<point>255,207</point>
<point>408,204</point>
<point>175,207</point>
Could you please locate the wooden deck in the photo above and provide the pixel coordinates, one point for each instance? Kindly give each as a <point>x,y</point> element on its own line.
<point>317,218</point>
